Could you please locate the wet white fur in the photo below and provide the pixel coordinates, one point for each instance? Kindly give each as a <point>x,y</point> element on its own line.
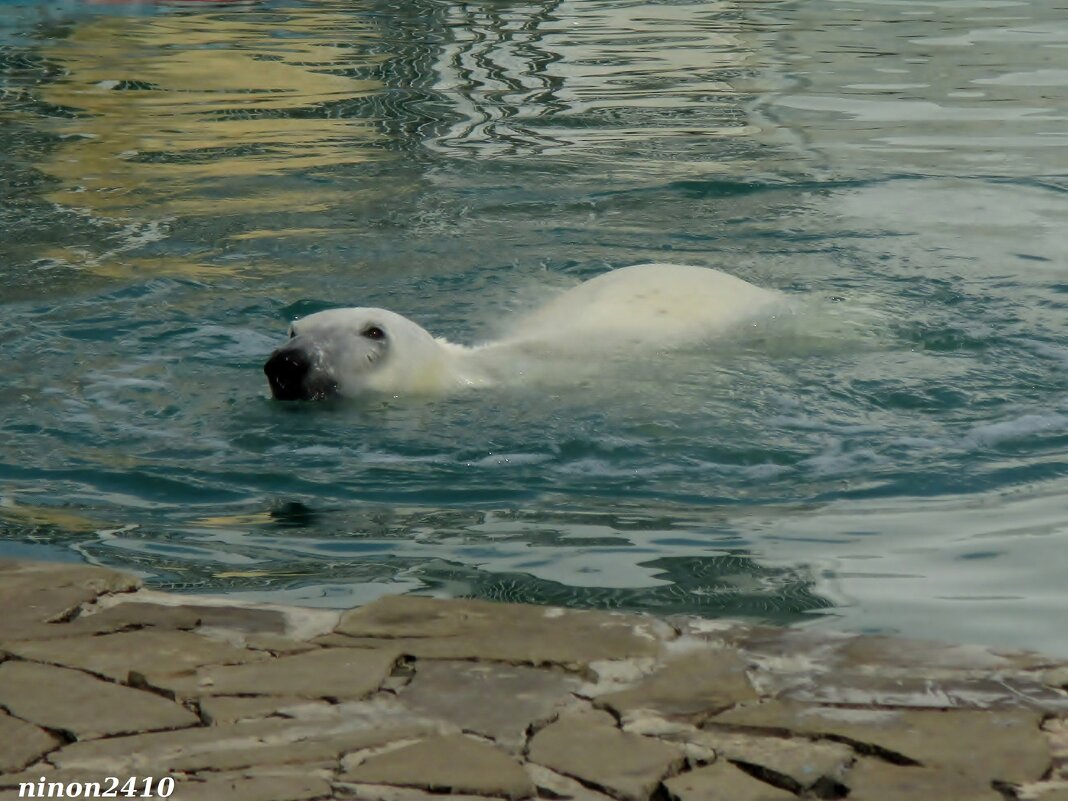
<point>646,307</point>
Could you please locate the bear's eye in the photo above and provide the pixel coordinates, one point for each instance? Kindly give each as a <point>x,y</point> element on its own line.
<point>373,332</point>
<point>292,332</point>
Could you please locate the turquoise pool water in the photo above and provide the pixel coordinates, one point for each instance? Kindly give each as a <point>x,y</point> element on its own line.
<point>181,179</point>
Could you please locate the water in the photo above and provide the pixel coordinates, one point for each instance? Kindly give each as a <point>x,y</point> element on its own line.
<point>181,179</point>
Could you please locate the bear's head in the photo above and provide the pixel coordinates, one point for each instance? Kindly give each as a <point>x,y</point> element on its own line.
<point>355,351</point>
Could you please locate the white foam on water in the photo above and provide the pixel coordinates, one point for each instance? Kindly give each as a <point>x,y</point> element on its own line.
<point>1019,428</point>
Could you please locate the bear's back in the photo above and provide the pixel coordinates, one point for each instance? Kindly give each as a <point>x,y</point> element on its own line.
<point>661,305</point>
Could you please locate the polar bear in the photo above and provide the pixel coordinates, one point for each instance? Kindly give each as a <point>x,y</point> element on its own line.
<point>646,307</point>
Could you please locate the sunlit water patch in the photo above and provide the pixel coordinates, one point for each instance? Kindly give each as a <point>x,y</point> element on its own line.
<point>889,454</point>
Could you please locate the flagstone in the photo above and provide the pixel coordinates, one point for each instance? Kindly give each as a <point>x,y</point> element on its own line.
<point>86,707</point>
<point>156,655</point>
<point>22,743</point>
<point>589,747</point>
<point>691,687</point>
<point>37,596</point>
<point>448,764</point>
<point>1003,744</point>
<point>324,673</point>
<point>268,742</point>
<point>875,780</point>
<point>722,781</point>
<point>495,700</point>
<point>517,633</point>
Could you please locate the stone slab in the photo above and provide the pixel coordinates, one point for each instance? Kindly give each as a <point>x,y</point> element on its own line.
<point>276,644</point>
<point>874,780</point>
<point>35,596</point>
<point>237,618</point>
<point>342,673</point>
<point>820,667</point>
<point>381,711</point>
<point>449,764</point>
<point>87,707</point>
<point>1056,677</point>
<point>689,687</point>
<point>790,648</point>
<point>253,788</point>
<point>158,656</point>
<point>1044,791</point>
<point>492,699</point>
<point>919,655</point>
<point>551,784</point>
<point>801,761</point>
<point>315,748</point>
<point>1055,730</point>
<point>178,617</point>
<point>22,743</point>
<point>221,709</point>
<point>133,616</point>
<point>922,691</point>
<point>152,752</point>
<point>724,782</point>
<point>589,747</point>
<point>517,633</point>
<point>384,792</point>
<point>287,719</point>
<point>1000,744</point>
<point>269,742</point>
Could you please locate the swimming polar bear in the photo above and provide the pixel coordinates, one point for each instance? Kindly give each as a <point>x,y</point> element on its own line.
<point>645,307</point>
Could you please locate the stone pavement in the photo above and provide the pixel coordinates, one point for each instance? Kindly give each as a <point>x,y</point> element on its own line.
<point>411,698</point>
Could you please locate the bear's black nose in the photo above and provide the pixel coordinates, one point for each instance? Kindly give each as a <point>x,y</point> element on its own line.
<point>286,370</point>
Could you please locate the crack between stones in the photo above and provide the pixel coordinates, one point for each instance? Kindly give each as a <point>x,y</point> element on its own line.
<point>588,784</point>
<point>403,672</point>
<point>1005,789</point>
<point>545,792</point>
<point>532,730</point>
<point>872,750</point>
<point>860,746</point>
<point>100,676</point>
<point>76,611</point>
<point>134,681</point>
<point>67,615</point>
<point>138,681</point>
<point>616,715</point>
<point>659,794</point>
<point>769,776</point>
<point>64,735</point>
<point>65,738</point>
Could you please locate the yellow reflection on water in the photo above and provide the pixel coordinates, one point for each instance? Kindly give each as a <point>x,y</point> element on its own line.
<point>236,520</point>
<point>22,514</point>
<point>165,266</point>
<point>274,233</point>
<point>179,114</point>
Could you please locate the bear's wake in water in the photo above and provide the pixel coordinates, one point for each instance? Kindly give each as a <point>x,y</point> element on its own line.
<point>633,310</point>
